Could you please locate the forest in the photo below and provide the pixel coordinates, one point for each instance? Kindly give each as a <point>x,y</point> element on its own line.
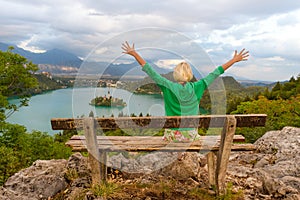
<point>20,148</point>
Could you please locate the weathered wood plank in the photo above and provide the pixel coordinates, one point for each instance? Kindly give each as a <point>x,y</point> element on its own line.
<point>224,153</point>
<point>211,166</point>
<point>78,140</point>
<point>97,160</point>
<point>200,121</point>
<point>121,139</point>
<point>178,147</point>
<point>153,143</point>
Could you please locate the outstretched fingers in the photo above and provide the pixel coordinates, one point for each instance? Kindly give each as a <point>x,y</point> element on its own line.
<point>243,54</point>
<point>127,48</point>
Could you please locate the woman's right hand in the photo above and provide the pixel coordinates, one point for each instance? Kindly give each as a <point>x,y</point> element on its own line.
<point>128,49</point>
<point>131,51</point>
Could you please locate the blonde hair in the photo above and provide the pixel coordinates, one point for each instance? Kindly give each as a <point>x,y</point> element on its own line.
<point>183,72</point>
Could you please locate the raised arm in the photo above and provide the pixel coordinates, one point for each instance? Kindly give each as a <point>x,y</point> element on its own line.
<point>242,56</point>
<point>131,51</point>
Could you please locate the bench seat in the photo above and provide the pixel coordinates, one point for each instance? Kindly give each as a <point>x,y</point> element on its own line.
<point>155,143</point>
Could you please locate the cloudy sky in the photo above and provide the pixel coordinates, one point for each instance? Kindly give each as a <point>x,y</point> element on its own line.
<point>269,29</point>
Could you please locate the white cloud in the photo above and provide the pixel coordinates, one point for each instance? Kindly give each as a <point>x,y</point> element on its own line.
<point>101,50</point>
<point>255,34</point>
<point>274,58</point>
<point>168,64</point>
<point>26,45</point>
<point>273,42</point>
<point>261,72</point>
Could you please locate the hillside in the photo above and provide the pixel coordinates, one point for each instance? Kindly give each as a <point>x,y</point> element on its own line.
<point>229,83</point>
<point>46,83</point>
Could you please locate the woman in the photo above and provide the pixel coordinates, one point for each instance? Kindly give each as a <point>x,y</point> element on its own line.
<point>181,98</point>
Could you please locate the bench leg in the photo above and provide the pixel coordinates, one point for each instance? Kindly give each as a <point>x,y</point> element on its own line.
<point>211,165</point>
<point>96,159</point>
<point>224,153</point>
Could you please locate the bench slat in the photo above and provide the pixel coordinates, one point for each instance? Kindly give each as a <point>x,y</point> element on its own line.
<point>236,138</point>
<point>195,148</point>
<point>78,139</point>
<point>153,143</point>
<point>200,121</point>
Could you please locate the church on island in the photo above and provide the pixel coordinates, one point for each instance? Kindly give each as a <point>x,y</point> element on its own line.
<point>108,101</point>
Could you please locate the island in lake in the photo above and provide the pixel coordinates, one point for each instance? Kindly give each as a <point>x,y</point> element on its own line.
<point>108,101</point>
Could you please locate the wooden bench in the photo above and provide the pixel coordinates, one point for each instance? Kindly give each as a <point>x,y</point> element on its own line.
<point>217,158</point>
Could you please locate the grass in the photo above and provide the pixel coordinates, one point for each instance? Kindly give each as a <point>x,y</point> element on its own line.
<point>162,189</point>
<point>201,193</point>
<point>71,175</point>
<point>159,189</point>
<point>105,189</point>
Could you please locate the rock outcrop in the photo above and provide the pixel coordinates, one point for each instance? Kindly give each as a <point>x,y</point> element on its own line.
<point>273,172</point>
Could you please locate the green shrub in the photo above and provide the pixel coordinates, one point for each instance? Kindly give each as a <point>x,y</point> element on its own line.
<point>19,149</point>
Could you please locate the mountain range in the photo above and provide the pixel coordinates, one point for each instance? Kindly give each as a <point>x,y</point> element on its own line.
<point>57,61</point>
<point>51,57</point>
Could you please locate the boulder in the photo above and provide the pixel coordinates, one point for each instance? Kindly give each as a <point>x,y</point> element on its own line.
<point>159,163</point>
<point>78,176</point>
<point>273,172</point>
<point>42,180</point>
<point>182,169</point>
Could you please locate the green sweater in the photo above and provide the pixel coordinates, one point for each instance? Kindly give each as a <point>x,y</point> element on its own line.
<point>184,99</point>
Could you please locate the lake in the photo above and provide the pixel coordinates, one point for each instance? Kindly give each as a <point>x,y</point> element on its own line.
<point>74,102</point>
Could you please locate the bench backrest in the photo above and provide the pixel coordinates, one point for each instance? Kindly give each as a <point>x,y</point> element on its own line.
<point>200,121</point>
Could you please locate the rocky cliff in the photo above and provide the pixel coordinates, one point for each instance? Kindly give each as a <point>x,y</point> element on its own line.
<point>273,172</point>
